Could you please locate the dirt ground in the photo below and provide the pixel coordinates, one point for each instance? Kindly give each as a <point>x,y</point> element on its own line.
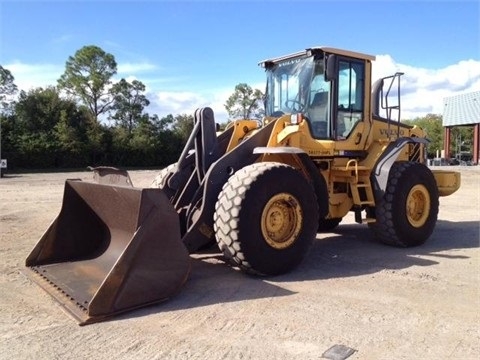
<point>383,302</point>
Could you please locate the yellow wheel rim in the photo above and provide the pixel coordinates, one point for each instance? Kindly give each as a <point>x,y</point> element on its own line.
<point>418,206</point>
<point>281,221</point>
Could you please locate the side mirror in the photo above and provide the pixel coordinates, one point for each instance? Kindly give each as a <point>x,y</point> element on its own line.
<point>330,67</point>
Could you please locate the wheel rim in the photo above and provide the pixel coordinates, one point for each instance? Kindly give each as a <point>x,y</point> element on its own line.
<point>281,221</point>
<point>418,206</point>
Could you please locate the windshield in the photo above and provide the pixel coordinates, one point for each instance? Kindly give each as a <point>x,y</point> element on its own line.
<point>295,85</point>
<point>288,86</point>
<point>299,86</point>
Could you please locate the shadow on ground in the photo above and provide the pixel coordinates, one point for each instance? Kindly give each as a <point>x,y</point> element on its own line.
<point>352,251</point>
<point>349,251</point>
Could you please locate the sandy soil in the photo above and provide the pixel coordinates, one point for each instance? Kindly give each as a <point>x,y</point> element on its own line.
<point>383,302</point>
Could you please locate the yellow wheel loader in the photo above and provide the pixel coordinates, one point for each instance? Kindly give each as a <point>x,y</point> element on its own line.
<point>331,142</point>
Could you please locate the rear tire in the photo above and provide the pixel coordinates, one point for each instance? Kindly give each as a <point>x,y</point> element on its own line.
<point>407,213</point>
<point>266,218</point>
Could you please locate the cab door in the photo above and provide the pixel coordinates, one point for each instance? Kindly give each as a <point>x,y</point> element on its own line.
<point>349,104</point>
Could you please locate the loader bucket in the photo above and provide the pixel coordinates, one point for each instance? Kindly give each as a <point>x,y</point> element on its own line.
<point>111,249</point>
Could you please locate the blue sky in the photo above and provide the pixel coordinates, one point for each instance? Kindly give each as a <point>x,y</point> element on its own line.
<point>193,53</point>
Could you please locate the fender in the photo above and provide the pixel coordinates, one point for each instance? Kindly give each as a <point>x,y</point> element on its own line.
<point>318,181</point>
<point>382,167</point>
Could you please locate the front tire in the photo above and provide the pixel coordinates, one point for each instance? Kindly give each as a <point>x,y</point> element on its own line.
<point>407,213</point>
<point>160,180</point>
<point>266,218</point>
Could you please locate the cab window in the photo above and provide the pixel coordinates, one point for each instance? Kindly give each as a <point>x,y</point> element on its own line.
<point>350,96</point>
<point>318,110</point>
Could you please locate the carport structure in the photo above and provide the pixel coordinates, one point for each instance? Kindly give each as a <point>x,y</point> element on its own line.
<point>462,110</point>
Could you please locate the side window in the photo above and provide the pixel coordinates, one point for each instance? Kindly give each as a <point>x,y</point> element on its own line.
<point>350,96</point>
<point>318,109</point>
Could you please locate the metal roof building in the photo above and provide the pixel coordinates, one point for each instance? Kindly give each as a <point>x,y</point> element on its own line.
<point>462,110</point>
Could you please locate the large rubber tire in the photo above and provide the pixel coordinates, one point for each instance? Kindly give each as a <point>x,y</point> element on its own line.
<point>160,180</point>
<point>407,213</point>
<point>266,218</point>
<point>325,225</point>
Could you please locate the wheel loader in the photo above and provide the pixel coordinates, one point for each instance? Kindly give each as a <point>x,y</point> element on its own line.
<point>330,143</point>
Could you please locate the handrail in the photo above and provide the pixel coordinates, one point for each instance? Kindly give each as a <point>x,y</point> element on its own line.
<point>356,168</point>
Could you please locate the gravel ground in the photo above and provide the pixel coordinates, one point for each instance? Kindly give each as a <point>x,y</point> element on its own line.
<point>382,302</point>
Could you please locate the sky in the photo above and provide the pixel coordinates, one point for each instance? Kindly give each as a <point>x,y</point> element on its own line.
<point>191,54</point>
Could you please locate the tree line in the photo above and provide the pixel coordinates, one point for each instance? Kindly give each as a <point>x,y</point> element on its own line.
<point>461,137</point>
<point>88,119</point>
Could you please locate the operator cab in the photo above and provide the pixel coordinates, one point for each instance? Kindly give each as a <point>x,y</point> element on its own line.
<point>326,86</point>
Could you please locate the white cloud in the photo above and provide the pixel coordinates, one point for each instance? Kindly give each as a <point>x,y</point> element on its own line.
<point>184,102</point>
<point>164,102</point>
<point>29,76</point>
<point>424,90</point>
<point>179,102</point>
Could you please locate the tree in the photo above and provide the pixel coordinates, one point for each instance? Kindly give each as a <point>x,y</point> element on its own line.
<point>183,126</point>
<point>128,103</point>
<point>461,140</point>
<point>7,87</point>
<point>245,103</point>
<point>70,133</point>
<point>432,124</point>
<point>48,130</point>
<point>37,112</point>
<point>143,142</point>
<point>88,76</point>
<point>171,134</point>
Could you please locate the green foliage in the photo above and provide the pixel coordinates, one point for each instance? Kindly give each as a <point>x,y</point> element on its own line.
<point>38,110</point>
<point>461,137</point>
<point>99,142</point>
<point>144,143</point>
<point>432,124</point>
<point>183,126</point>
<point>170,141</point>
<point>7,87</point>
<point>88,76</point>
<point>128,104</point>
<point>7,124</point>
<point>245,103</point>
<point>461,140</point>
<point>70,131</point>
<point>45,129</point>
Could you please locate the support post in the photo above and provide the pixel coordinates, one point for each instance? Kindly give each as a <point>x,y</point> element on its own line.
<point>476,140</point>
<point>446,142</point>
